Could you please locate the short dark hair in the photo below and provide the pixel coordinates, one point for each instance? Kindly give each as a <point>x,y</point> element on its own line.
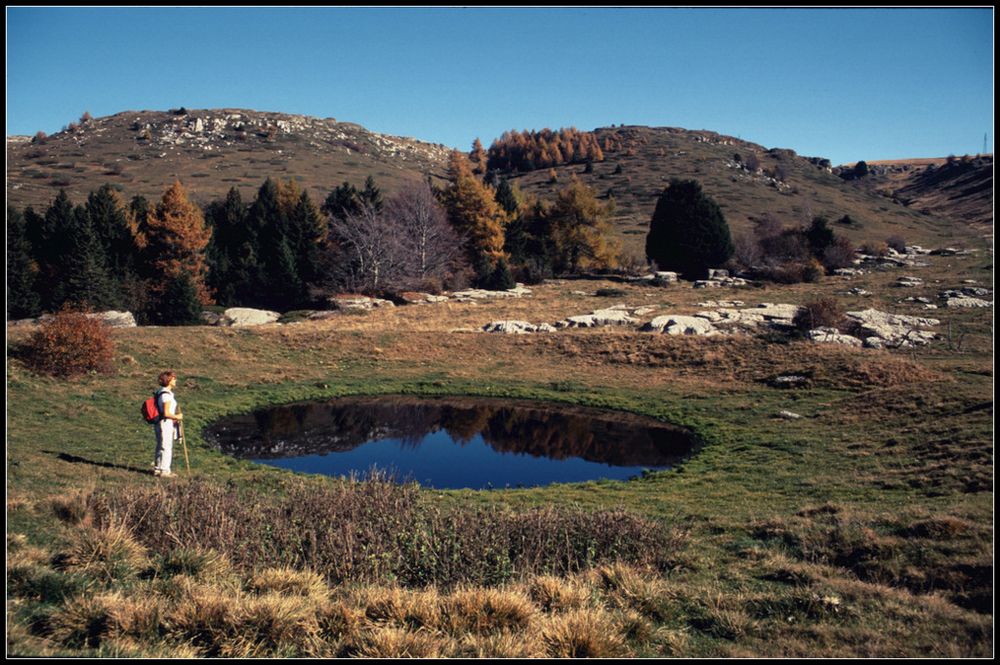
<point>166,376</point>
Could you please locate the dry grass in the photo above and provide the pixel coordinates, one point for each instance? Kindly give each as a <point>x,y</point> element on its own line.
<point>109,553</point>
<point>289,582</point>
<point>584,633</point>
<point>486,611</point>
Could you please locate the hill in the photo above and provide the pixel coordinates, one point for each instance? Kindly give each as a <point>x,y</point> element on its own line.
<point>746,179</point>
<point>213,150</point>
<point>142,152</point>
<point>959,190</point>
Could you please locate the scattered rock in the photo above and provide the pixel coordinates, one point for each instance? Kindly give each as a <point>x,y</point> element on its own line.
<point>366,303</point>
<point>967,301</point>
<point>788,415</point>
<point>417,298</point>
<point>832,335</point>
<point>601,317</point>
<point>511,327</point>
<point>910,282</point>
<point>673,324</point>
<point>858,291</point>
<point>789,381</point>
<point>246,316</point>
<point>115,319</point>
<point>848,272</point>
<point>469,295</point>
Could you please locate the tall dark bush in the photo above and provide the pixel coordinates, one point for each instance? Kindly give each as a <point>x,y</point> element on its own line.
<point>688,232</point>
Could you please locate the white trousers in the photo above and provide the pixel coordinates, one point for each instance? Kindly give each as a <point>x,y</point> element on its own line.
<point>165,435</point>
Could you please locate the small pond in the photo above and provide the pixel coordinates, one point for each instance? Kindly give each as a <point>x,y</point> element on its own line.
<point>454,442</point>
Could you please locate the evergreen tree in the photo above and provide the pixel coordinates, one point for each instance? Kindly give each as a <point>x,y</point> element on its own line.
<point>500,279</point>
<point>341,202</point>
<point>22,272</point>
<point>820,236</point>
<point>52,245</point>
<point>372,195</point>
<point>507,197</point>
<point>687,232</point>
<point>88,282</point>
<point>179,304</point>
<point>227,273</point>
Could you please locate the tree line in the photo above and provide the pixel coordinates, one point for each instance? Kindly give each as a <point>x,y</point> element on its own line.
<point>165,261</point>
<point>530,150</point>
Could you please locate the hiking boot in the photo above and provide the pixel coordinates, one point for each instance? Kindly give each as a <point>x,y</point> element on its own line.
<point>157,472</point>
<point>166,474</point>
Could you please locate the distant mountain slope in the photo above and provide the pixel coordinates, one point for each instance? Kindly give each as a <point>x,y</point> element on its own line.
<point>142,152</point>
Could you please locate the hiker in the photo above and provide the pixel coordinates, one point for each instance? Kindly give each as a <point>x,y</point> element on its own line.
<point>166,427</point>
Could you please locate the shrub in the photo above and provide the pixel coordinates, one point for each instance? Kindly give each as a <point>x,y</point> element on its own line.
<point>821,313</point>
<point>70,344</point>
<point>897,243</point>
<point>875,248</point>
<point>688,232</point>
<point>839,255</point>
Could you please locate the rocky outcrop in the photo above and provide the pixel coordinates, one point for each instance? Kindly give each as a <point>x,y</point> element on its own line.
<point>602,317</point>
<point>354,302</point>
<point>238,317</point>
<point>472,295</point>
<point>834,336</point>
<point>115,319</point>
<point>516,327</point>
<point>673,324</point>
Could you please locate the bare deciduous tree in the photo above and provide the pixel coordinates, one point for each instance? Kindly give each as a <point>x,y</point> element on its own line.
<point>432,248</point>
<point>373,255</point>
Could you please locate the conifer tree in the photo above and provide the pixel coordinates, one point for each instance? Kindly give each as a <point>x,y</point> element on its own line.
<point>478,158</point>
<point>176,240</point>
<point>581,229</point>
<point>52,245</point>
<point>687,232</point>
<point>179,305</point>
<point>371,195</point>
<point>341,202</point>
<point>88,282</point>
<point>22,272</point>
<point>228,275</point>
<point>473,211</point>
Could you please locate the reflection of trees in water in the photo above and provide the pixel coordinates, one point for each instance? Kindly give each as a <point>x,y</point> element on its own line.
<point>551,432</point>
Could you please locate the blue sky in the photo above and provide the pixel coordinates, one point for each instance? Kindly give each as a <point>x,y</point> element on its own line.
<point>843,84</point>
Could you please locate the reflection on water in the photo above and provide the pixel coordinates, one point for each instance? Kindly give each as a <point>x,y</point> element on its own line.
<point>455,442</point>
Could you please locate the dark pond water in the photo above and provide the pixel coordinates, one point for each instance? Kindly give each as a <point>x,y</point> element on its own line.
<point>454,442</point>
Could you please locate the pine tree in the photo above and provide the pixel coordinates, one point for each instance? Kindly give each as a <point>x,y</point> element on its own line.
<point>341,202</point>
<point>22,272</point>
<point>179,305</point>
<point>176,240</point>
<point>227,275</point>
<point>88,282</point>
<point>52,245</point>
<point>371,195</point>
<point>687,232</point>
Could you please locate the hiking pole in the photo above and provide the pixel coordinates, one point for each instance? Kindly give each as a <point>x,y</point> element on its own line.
<point>180,427</point>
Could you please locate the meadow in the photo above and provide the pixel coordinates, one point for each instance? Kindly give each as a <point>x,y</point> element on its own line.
<point>861,529</point>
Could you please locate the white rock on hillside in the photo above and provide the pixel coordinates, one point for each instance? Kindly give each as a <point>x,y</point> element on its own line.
<point>673,324</point>
<point>832,335</point>
<point>967,301</point>
<point>246,316</point>
<point>365,303</point>
<point>601,317</point>
<point>511,327</point>
<point>115,319</point>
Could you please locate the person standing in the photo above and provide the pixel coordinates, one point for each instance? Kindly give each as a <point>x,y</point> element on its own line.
<point>165,427</point>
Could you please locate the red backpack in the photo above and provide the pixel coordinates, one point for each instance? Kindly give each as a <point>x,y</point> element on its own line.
<point>150,410</point>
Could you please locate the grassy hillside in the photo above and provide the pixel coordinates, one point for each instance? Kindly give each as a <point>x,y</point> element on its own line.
<point>213,150</point>
<point>861,529</point>
<point>210,151</point>
<point>652,156</point>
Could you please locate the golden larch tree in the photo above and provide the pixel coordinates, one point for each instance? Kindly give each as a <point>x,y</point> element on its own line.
<point>581,229</point>
<point>473,210</point>
<point>176,237</point>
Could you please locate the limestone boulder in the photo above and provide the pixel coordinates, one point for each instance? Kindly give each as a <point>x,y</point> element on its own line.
<point>834,336</point>
<point>673,324</point>
<point>115,319</point>
<point>355,302</point>
<point>601,317</point>
<point>511,327</point>
<point>238,317</point>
